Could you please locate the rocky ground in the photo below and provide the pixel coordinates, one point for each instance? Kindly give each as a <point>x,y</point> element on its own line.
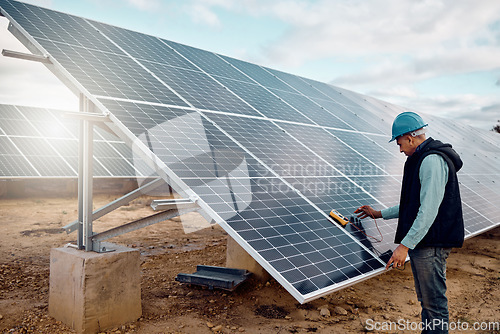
<point>32,226</point>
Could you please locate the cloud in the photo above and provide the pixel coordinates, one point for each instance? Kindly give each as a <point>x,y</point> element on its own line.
<point>204,15</point>
<point>204,12</point>
<point>420,38</point>
<point>145,5</point>
<point>396,70</point>
<point>41,3</point>
<point>475,110</point>
<point>327,28</point>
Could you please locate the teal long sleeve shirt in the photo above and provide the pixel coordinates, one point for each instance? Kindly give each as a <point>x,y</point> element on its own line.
<point>433,175</point>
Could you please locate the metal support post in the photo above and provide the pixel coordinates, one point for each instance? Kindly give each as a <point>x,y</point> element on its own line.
<point>85,178</point>
<point>79,240</point>
<point>87,184</point>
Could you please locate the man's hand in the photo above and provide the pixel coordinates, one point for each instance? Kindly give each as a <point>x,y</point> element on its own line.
<point>368,211</point>
<point>398,257</point>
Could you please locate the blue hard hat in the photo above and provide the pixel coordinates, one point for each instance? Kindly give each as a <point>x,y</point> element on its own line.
<point>406,122</point>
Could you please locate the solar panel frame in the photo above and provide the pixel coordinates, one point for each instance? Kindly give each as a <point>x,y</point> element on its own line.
<point>41,143</point>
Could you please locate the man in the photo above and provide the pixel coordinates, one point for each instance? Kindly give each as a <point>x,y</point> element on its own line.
<point>430,216</point>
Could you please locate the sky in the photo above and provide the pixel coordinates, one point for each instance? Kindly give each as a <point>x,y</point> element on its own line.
<point>434,56</point>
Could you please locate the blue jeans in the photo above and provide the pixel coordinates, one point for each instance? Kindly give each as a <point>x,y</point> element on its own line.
<point>428,265</point>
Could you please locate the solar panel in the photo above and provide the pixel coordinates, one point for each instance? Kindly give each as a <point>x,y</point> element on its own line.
<point>40,142</point>
<point>266,154</point>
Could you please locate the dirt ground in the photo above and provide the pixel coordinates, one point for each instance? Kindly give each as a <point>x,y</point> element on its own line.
<point>30,227</point>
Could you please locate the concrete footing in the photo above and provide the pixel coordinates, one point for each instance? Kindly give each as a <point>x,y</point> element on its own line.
<point>91,292</point>
<point>237,257</point>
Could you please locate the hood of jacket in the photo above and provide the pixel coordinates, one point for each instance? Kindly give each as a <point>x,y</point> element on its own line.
<point>446,149</point>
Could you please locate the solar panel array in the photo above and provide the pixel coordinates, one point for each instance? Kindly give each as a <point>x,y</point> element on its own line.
<point>270,153</point>
<point>40,143</point>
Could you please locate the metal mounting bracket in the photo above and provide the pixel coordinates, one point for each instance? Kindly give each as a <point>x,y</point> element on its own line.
<point>135,225</point>
<point>26,56</point>
<point>167,204</point>
<point>87,116</point>
<point>73,226</point>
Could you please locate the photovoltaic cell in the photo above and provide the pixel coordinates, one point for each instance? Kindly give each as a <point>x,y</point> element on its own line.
<point>346,194</point>
<point>353,121</point>
<point>298,84</point>
<point>46,159</point>
<point>12,162</point>
<point>144,47</point>
<point>259,74</point>
<point>285,156</point>
<point>209,62</point>
<point>311,109</point>
<point>479,194</point>
<point>270,153</point>
<point>380,156</point>
<point>263,101</point>
<point>331,92</point>
<point>334,151</point>
<point>58,27</point>
<point>199,89</point>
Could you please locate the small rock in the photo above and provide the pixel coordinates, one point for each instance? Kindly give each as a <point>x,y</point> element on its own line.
<point>340,310</point>
<point>210,325</point>
<point>324,312</point>
<point>322,306</point>
<point>217,328</point>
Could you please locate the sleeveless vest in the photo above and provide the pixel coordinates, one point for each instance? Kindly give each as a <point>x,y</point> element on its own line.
<point>447,230</point>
